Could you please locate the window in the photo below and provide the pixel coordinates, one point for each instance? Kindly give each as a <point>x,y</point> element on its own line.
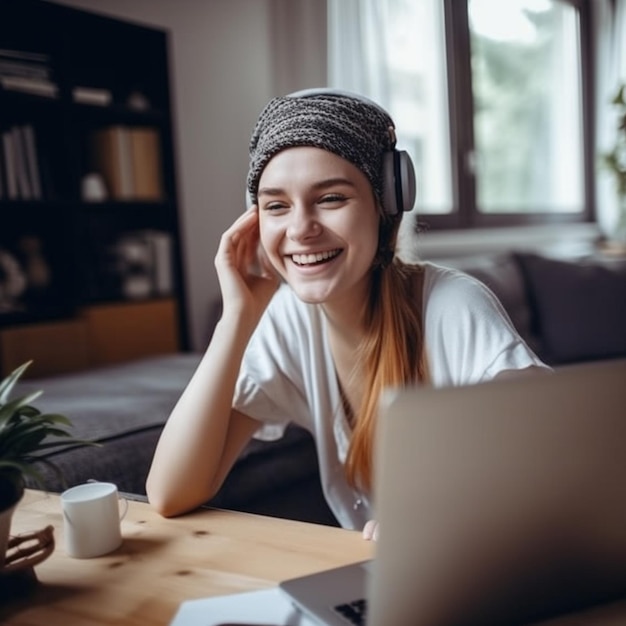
<point>487,97</point>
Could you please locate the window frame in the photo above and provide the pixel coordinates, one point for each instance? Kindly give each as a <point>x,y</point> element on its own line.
<point>464,213</point>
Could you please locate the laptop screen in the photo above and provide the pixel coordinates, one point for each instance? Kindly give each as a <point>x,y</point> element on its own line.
<point>503,502</point>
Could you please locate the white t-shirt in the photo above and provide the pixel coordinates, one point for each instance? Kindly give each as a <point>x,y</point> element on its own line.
<point>288,373</point>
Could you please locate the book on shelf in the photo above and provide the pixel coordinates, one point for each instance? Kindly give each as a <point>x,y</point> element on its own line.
<point>160,243</point>
<point>24,55</point>
<point>27,72</point>
<point>32,161</point>
<point>147,163</point>
<point>9,165</point>
<point>129,159</point>
<point>21,173</point>
<point>111,157</point>
<point>92,95</point>
<point>21,163</point>
<point>32,86</point>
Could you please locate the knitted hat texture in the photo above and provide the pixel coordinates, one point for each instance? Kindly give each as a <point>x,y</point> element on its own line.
<point>348,127</point>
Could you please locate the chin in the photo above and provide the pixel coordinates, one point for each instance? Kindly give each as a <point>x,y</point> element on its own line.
<point>310,294</point>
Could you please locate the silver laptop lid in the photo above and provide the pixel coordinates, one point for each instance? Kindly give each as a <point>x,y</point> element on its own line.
<point>502,502</point>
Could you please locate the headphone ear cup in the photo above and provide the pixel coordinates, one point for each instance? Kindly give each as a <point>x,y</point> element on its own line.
<point>407,180</point>
<point>399,189</point>
<point>390,204</point>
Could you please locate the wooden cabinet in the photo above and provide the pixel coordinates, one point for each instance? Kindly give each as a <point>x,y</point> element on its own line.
<point>53,347</point>
<point>122,332</point>
<point>87,189</point>
<point>98,335</point>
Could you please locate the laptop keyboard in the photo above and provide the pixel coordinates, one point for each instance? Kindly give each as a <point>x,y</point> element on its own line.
<point>353,612</point>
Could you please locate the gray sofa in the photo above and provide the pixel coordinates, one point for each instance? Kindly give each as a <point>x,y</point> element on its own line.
<point>124,408</point>
<point>568,311</point>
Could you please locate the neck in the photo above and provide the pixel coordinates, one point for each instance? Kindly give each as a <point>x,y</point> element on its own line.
<point>345,334</point>
<point>346,317</point>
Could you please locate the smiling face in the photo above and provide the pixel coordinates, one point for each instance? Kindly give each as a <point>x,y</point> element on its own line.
<point>319,225</point>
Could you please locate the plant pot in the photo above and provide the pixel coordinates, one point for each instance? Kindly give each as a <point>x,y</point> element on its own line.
<point>19,554</point>
<point>5,527</point>
<point>11,492</point>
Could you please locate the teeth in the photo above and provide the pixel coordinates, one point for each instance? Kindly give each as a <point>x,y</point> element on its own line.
<point>310,259</point>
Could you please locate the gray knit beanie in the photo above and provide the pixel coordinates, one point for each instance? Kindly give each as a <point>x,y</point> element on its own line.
<point>348,126</point>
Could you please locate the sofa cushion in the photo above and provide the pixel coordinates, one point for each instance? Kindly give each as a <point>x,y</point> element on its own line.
<point>502,274</point>
<point>579,306</point>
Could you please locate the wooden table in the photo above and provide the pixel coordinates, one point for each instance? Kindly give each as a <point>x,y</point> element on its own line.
<point>163,562</point>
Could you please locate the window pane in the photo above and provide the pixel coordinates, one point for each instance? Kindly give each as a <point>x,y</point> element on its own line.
<point>415,52</point>
<point>527,106</point>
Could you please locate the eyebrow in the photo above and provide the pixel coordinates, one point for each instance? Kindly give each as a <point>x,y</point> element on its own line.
<point>322,184</point>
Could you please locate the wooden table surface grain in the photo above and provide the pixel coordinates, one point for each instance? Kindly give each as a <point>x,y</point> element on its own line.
<point>163,562</point>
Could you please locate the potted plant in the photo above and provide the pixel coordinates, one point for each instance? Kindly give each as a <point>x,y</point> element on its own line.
<point>24,432</point>
<point>615,162</point>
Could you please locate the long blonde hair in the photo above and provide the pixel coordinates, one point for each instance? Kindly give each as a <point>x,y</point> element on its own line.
<point>392,351</point>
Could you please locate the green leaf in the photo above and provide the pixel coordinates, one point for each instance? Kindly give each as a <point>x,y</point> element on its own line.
<point>6,386</point>
<point>56,418</point>
<point>9,409</point>
<point>25,432</point>
<point>620,96</point>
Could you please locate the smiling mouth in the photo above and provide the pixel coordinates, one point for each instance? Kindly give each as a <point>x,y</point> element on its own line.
<point>315,259</point>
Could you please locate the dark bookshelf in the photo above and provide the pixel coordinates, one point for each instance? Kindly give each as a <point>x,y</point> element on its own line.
<point>82,94</point>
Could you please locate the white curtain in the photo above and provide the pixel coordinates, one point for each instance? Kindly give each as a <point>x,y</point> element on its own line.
<point>610,38</point>
<point>357,48</point>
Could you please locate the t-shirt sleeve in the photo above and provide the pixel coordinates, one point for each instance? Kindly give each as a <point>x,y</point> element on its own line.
<point>469,336</point>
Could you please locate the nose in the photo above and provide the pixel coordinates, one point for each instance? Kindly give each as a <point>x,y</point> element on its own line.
<point>302,224</point>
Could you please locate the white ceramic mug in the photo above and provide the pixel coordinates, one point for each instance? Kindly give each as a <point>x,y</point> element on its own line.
<point>91,519</point>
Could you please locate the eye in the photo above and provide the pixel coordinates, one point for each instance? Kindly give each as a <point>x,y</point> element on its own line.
<point>333,198</point>
<point>273,207</point>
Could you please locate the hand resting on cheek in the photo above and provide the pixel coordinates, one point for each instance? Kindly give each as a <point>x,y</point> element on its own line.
<point>247,280</point>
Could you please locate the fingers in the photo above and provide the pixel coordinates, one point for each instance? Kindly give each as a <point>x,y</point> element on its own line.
<point>238,243</point>
<point>246,281</point>
<point>371,530</point>
<point>266,268</point>
<point>247,222</point>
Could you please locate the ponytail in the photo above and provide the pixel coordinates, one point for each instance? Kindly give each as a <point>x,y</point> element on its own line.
<point>391,354</point>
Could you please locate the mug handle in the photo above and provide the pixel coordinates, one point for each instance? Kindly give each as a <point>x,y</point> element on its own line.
<point>125,507</point>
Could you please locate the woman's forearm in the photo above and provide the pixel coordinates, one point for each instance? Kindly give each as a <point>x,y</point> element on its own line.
<point>200,440</point>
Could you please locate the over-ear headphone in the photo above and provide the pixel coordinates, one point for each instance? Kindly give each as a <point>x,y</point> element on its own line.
<point>399,188</point>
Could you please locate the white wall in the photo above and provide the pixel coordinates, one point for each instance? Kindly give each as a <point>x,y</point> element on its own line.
<point>228,57</point>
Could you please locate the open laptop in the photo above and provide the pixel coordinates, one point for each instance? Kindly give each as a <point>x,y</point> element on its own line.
<point>499,503</point>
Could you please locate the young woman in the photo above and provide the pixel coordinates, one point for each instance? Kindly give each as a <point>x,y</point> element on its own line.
<point>318,314</point>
